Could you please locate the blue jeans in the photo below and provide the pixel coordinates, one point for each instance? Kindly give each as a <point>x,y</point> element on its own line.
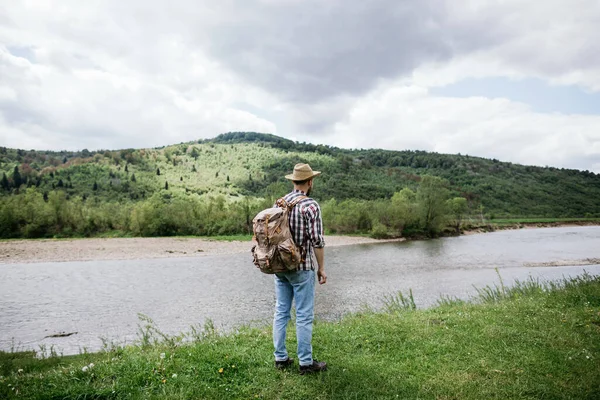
<point>298,285</point>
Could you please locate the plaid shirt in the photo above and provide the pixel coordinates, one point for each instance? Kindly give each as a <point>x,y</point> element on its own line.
<point>306,225</point>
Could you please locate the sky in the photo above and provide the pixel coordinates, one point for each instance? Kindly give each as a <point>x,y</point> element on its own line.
<point>515,80</point>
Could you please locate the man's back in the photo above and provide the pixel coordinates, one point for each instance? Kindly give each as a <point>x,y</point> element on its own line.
<point>306,225</point>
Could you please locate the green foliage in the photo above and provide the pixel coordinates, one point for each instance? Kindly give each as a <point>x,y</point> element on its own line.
<point>431,199</point>
<point>4,184</point>
<point>16,178</point>
<point>370,191</point>
<point>458,208</point>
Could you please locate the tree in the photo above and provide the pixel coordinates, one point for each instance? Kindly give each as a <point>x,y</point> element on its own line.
<point>4,184</point>
<point>195,153</point>
<point>60,183</point>
<point>157,171</point>
<point>17,181</point>
<point>126,169</point>
<point>457,207</point>
<point>431,198</point>
<point>181,178</point>
<point>404,210</point>
<point>133,177</point>
<point>95,187</point>
<point>227,178</point>
<point>166,185</point>
<point>194,168</point>
<point>217,174</point>
<point>65,160</point>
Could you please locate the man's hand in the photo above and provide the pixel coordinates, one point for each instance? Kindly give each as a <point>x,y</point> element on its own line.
<point>320,254</point>
<point>322,276</point>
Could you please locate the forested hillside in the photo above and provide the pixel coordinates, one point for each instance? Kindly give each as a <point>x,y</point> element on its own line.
<point>215,186</point>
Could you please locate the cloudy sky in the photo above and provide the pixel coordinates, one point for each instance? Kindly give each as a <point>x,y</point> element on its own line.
<point>516,80</point>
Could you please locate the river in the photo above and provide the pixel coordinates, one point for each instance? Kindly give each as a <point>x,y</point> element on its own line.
<point>102,299</point>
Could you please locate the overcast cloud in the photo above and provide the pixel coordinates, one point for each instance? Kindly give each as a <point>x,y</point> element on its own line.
<point>113,74</point>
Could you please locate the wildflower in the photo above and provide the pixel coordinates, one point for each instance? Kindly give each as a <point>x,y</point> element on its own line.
<point>164,381</point>
<point>91,365</point>
<point>220,370</point>
<point>162,356</point>
<point>19,371</point>
<point>84,369</point>
<point>174,376</point>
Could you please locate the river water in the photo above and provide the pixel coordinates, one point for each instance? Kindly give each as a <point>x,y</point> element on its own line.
<point>102,299</point>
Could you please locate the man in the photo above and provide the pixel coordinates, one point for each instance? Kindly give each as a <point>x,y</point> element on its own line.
<point>306,226</point>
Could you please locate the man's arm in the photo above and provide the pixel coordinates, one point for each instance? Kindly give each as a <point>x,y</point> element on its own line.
<point>320,253</point>
<point>315,230</point>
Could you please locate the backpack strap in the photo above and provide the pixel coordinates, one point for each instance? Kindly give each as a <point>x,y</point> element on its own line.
<point>284,204</point>
<point>297,200</point>
<point>290,206</point>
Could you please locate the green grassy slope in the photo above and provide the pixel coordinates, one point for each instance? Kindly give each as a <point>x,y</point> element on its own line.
<point>238,164</point>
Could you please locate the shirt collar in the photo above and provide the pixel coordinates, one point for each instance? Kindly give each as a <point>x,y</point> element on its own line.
<point>298,191</point>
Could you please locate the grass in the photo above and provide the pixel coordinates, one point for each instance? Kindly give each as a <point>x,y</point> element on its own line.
<point>532,341</point>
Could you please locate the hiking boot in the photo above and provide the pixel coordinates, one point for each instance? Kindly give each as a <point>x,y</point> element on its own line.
<point>284,364</point>
<point>314,367</point>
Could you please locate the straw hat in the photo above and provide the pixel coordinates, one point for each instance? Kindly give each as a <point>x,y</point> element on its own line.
<point>302,172</point>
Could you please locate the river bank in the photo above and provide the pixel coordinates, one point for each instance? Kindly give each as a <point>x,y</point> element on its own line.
<point>97,249</point>
<point>489,348</point>
<point>471,229</point>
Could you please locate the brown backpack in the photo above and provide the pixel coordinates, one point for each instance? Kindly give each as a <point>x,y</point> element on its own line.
<point>275,249</point>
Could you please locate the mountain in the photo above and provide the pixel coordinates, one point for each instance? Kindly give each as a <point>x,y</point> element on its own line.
<point>252,164</point>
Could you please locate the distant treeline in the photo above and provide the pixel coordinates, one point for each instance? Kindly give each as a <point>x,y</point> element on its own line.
<point>32,214</point>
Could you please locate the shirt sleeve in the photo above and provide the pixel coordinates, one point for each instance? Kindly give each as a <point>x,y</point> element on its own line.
<point>314,221</point>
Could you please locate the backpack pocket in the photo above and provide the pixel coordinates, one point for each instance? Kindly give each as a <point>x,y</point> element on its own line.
<point>267,260</point>
<point>289,254</point>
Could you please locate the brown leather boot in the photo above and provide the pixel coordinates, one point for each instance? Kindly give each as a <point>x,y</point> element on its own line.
<point>284,364</point>
<point>316,366</point>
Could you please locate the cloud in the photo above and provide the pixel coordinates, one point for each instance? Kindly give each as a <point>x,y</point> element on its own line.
<point>402,117</point>
<point>70,108</point>
<point>117,74</point>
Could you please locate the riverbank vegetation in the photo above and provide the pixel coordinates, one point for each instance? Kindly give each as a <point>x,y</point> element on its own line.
<point>533,340</point>
<point>215,187</point>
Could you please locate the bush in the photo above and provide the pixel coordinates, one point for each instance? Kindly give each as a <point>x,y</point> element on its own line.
<point>379,231</point>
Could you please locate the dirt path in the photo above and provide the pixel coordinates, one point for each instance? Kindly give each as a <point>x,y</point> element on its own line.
<point>50,250</point>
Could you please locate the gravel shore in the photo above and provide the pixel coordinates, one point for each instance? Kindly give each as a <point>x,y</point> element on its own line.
<point>51,250</point>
